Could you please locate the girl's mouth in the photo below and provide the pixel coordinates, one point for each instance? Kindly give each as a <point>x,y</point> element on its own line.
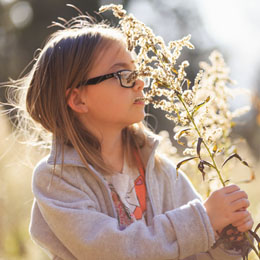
<point>139,100</point>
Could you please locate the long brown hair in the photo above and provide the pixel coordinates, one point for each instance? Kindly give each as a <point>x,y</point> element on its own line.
<point>63,64</point>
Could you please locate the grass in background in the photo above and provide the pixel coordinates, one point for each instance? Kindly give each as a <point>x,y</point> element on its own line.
<point>16,198</point>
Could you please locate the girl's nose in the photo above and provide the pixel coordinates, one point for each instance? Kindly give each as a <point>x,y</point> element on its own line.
<point>139,85</point>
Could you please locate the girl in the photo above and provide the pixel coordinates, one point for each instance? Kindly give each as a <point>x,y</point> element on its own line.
<point>104,192</point>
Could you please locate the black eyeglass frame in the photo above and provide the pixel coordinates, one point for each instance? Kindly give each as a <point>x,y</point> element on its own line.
<point>117,75</point>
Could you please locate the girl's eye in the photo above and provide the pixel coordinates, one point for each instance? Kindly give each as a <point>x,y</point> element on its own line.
<point>125,75</point>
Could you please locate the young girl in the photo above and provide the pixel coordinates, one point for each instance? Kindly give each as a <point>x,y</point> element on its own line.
<point>104,192</point>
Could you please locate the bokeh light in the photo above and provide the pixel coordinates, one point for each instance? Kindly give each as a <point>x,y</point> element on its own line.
<point>6,2</point>
<point>21,14</point>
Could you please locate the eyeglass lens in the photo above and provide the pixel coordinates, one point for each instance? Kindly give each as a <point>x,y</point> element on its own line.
<point>128,78</point>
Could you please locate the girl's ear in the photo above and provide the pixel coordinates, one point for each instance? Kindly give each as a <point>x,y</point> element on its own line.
<point>75,101</point>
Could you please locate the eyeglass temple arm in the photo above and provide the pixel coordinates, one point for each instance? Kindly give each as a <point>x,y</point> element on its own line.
<point>97,80</point>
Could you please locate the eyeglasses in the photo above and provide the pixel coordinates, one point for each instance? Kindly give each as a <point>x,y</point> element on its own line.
<point>127,78</point>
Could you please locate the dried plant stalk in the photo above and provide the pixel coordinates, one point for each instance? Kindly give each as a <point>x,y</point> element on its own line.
<point>200,110</point>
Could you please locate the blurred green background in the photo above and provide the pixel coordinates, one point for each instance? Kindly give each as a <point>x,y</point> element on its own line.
<point>229,26</point>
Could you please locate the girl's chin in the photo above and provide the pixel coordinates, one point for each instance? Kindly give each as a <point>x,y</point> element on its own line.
<point>136,120</point>
<point>140,119</point>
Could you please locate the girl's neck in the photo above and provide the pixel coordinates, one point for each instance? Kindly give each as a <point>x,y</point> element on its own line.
<point>112,150</point>
<point>110,138</point>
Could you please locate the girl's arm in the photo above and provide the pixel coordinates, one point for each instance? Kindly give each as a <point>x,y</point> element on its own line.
<point>225,199</point>
<point>76,227</point>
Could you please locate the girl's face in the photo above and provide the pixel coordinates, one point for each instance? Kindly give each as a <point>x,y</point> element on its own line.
<point>109,104</point>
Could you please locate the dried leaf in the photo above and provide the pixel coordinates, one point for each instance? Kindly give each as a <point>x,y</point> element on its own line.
<point>165,59</point>
<point>188,83</point>
<point>180,142</point>
<point>180,134</point>
<point>200,105</point>
<point>160,83</point>
<point>232,239</point>
<point>183,162</point>
<point>178,94</point>
<point>174,71</point>
<point>199,146</point>
<point>257,227</point>
<point>214,150</point>
<point>208,164</point>
<point>226,181</point>
<point>258,242</point>
<point>235,155</point>
<point>256,237</point>
<point>201,167</point>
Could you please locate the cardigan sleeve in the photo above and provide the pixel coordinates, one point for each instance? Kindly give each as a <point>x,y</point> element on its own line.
<point>181,200</point>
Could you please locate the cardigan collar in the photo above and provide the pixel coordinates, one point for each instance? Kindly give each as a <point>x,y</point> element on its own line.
<point>71,156</point>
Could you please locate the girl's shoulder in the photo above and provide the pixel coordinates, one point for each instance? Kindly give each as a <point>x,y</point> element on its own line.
<point>69,176</point>
<point>45,172</point>
<point>42,166</point>
<point>165,165</point>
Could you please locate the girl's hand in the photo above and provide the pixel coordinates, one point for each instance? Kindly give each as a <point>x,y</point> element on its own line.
<point>245,224</point>
<point>228,206</point>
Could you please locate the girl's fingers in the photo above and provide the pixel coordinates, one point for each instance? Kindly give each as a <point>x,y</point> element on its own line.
<point>246,226</point>
<point>239,194</point>
<point>231,188</point>
<point>239,216</point>
<point>240,204</point>
<point>242,221</point>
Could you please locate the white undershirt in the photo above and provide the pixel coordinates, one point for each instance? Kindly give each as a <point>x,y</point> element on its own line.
<point>124,184</point>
